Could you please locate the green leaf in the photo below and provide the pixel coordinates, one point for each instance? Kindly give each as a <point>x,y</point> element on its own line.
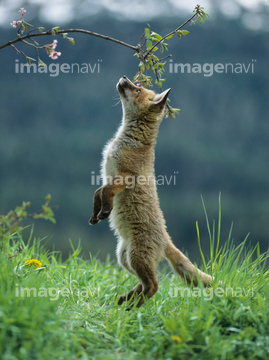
<point>182,32</point>
<point>171,112</point>
<point>141,66</point>
<point>41,63</point>
<point>136,77</point>
<point>26,23</point>
<point>164,46</point>
<point>29,59</point>
<point>147,32</point>
<point>24,27</point>
<point>169,37</point>
<point>41,29</point>
<point>155,37</point>
<point>149,44</point>
<point>71,40</point>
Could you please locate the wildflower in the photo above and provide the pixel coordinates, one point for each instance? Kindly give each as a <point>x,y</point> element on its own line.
<point>34,262</point>
<point>177,338</point>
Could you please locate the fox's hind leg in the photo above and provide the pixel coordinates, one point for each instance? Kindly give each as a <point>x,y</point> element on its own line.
<point>122,250</point>
<point>145,271</point>
<point>126,297</point>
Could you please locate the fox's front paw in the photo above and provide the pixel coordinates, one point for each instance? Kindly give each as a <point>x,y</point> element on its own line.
<point>93,220</point>
<point>105,211</point>
<point>104,214</point>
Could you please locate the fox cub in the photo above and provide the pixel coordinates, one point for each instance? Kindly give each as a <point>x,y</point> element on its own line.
<point>129,195</point>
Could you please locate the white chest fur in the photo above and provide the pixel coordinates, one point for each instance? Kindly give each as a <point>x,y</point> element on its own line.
<point>111,158</point>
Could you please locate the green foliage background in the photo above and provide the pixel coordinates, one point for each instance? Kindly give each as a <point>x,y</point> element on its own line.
<point>53,130</point>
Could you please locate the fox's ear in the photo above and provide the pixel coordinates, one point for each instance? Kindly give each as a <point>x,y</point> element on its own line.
<point>160,99</point>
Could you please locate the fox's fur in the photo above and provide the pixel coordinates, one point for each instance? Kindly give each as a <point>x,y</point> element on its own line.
<point>134,212</point>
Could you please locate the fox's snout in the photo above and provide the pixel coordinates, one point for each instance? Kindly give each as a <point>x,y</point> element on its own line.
<point>136,99</point>
<point>123,84</point>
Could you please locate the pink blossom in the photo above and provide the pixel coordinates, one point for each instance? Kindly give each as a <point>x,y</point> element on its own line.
<point>22,11</point>
<point>50,48</point>
<point>54,44</point>
<point>54,54</point>
<point>138,83</point>
<point>15,23</point>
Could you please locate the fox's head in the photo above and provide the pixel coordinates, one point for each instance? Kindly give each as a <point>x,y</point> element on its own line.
<point>138,102</point>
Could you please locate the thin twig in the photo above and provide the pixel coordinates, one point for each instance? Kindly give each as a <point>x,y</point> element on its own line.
<point>18,51</point>
<point>166,57</point>
<point>171,33</point>
<point>139,42</point>
<point>33,45</point>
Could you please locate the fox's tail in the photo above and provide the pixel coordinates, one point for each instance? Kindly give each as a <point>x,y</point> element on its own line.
<point>185,268</point>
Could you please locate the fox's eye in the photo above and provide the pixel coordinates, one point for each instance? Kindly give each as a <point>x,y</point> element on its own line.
<point>138,91</point>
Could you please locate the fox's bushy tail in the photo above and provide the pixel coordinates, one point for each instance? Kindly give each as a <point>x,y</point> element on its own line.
<point>188,272</point>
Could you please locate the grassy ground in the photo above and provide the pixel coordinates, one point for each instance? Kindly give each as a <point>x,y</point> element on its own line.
<point>67,310</point>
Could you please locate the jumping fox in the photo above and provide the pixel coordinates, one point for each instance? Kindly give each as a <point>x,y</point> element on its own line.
<point>134,212</point>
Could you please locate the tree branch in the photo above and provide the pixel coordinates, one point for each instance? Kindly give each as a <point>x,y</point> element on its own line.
<point>30,34</point>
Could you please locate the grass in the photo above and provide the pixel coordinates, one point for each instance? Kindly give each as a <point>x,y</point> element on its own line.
<point>71,310</point>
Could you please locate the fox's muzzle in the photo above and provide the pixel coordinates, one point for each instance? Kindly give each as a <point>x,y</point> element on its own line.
<point>125,83</point>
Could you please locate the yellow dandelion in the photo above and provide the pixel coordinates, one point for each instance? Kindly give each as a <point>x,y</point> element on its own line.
<point>177,338</point>
<point>34,262</point>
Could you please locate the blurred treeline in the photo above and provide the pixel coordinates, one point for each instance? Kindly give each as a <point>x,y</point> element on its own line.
<point>53,130</point>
